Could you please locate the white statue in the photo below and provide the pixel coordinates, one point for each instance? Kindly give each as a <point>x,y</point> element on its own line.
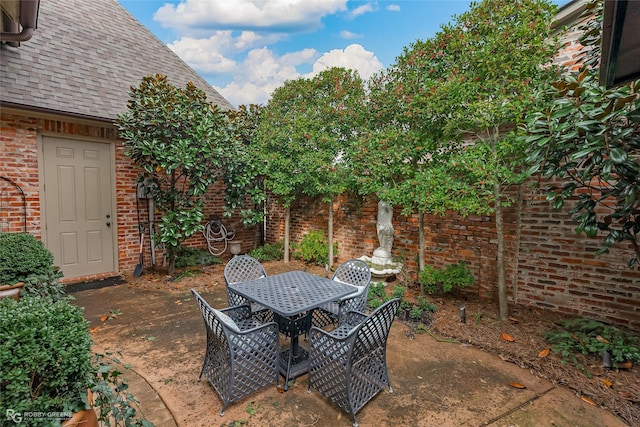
<point>382,255</point>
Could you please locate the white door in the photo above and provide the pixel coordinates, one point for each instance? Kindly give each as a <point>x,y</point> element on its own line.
<point>78,202</point>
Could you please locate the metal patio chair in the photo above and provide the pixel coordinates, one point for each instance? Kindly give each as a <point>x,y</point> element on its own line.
<point>241,355</point>
<point>242,268</point>
<point>354,272</point>
<point>348,365</point>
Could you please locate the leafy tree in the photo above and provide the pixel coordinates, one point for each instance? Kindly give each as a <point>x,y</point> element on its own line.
<point>179,141</point>
<point>588,140</point>
<point>448,135</point>
<point>243,183</point>
<point>303,134</point>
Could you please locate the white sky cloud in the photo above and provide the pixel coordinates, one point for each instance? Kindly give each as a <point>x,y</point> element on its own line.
<point>353,57</point>
<point>349,35</point>
<point>246,14</point>
<point>243,63</point>
<point>393,8</point>
<point>361,10</point>
<point>263,71</point>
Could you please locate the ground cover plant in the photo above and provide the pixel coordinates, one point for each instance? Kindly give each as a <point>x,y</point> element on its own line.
<point>618,348</point>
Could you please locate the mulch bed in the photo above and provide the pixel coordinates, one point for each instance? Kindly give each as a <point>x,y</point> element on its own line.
<point>617,390</point>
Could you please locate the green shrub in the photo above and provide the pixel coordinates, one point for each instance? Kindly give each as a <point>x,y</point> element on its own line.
<point>195,257</point>
<point>313,248</point>
<point>377,295</point>
<point>268,252</point>
<point>452,277</point>
<point>45,354</point>
<point>22,255</point>
<point>425,305</point>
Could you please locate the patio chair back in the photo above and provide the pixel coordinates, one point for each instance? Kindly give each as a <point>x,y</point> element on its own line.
<point>239,269</point>
<point>349,365</point>
<point>354,272</point>
<point>241,355</point>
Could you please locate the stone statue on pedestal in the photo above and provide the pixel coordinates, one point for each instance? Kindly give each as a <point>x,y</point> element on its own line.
<point>382,255</point>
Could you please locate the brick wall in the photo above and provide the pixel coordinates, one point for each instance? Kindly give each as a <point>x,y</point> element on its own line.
<point>19,162</point>
<point>549,266</point>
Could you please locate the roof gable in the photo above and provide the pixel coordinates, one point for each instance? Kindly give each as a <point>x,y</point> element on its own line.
<point>83,59</point>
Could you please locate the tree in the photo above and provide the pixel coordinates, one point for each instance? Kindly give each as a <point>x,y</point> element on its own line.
<point>178,140</point>
<point>500,54</point>
<point>588,138</point>
<point>458,98</point>
<point>243,183</point>
<point>304,133</point>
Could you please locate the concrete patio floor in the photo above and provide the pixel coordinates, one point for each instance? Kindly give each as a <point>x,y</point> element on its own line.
<point>158,331</point>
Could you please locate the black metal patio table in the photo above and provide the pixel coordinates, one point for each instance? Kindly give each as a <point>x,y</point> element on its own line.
<point>292,296</point>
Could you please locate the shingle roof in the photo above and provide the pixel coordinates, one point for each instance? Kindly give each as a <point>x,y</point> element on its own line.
<point>83,58</point>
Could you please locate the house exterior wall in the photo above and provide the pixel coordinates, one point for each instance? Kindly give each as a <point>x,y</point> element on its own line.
<point>19,135</point>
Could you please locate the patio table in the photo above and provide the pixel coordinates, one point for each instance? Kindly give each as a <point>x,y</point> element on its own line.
<point>292,296</point>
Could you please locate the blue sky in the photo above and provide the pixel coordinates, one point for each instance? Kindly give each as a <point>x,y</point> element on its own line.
<point>247,48</point>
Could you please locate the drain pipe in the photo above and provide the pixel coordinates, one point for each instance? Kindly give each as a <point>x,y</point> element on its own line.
<point>28,19</point>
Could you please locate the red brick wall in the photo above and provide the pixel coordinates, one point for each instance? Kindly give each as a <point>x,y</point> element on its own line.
<point>19,162</point>
<point>550,267</point>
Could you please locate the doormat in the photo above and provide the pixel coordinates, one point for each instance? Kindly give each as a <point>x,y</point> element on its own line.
<point>95,284</point>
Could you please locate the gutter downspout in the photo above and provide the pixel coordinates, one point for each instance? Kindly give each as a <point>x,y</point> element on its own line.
<point>28,21</point>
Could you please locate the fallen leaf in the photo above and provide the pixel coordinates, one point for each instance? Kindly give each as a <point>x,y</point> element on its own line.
<point>514,319</point>
<point>589,401</point>
<point>104,318</point>
<point>606,382</point>
<point>517,385</point>
<point>625,365</point>
<point>94,330</point>
<point>506,337</point>
<point>600,339</point>
<point>544,353</point>
<point>626,395</point>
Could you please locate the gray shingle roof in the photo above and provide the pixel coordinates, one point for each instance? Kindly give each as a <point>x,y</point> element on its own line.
<point>83,58</point>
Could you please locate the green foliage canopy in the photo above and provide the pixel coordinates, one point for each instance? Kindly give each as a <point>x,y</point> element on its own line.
<point>304,132</point>
<point>586,144</point>
<point>472,81</point>
<point>242,166</point>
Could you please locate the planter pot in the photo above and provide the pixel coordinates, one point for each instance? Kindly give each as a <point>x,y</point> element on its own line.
<point>11,291</point>
<point>85,418</point>
<point>235,247</point>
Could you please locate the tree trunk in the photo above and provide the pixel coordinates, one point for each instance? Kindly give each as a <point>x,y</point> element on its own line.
<point>422,241</point>
<point>287,217</point>
<point>330,238</point>
<point>502,285</point>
